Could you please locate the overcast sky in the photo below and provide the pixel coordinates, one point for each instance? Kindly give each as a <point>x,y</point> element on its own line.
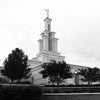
<point>76,23</point>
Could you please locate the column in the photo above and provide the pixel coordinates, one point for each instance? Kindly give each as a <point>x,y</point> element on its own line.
<point>49,41</point>
<point>55,44</point>
<point>45,43</point>
<point>40,41</point>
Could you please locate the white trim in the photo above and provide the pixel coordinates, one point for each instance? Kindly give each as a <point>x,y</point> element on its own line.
<point>69,94</point>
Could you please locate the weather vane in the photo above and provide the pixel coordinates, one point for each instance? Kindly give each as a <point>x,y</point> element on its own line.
<point>47,11</point>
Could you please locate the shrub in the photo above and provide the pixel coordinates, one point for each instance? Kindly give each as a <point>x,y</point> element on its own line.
<point>3,80</point>
<point>23,82</point>
<point>20,92</point>
<point>26,82</point>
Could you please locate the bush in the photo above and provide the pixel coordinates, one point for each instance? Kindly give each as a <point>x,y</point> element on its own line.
<point>20,92</point>
<point>23,82</point>
<point>55,86</point>
<point>26,82</point>
<point>3,80</point>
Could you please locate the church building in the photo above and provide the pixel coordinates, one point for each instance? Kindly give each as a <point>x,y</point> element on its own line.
<point>48,50</point>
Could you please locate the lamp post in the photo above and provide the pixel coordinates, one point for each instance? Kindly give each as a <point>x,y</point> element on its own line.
<point>76,78</point>
<point>32,79</point>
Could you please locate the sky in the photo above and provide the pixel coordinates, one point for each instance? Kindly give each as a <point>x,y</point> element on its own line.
<point>76,23</point>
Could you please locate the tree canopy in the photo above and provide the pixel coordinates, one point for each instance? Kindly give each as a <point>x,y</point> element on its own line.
<point>56,72</point>
<point>16,66</point>
<point>90,74</point>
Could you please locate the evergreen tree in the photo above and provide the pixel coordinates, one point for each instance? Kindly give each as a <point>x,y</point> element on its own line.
<point>16,66</point>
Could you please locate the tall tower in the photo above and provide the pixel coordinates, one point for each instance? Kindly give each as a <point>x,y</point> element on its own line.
<point>48,44</point>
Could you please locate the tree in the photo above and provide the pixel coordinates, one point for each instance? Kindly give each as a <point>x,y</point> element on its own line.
<point>89,74</point>
<point>16,66</point>
<point>56,72</point>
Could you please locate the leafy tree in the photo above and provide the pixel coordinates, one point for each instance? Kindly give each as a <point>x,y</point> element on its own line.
<point>56,72</point>
<point>89,74</point>
<point>15,66</point>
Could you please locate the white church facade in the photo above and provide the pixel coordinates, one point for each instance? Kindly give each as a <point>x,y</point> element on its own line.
<point>48,50</point>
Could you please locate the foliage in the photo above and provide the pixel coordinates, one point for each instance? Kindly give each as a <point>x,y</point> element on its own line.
<point>15,66</point>
<point>20,92</point>
<point>57,72</point>
<point>23,82</point>
<point>90,74</point>
<point>3,80</point>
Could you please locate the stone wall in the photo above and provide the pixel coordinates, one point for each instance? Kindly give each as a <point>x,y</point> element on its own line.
<point>71,96</point>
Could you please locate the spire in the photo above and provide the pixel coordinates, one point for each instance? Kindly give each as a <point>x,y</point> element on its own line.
<point>47,11</point>
<point>47,21</point>
<point>48,44</point>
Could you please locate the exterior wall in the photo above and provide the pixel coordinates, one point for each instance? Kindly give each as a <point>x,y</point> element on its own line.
<point>33,64</point>
<point>71,96</point>
<point>45,56</point>
<point>37,77</point>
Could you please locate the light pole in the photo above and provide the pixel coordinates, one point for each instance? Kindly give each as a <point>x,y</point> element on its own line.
<point>32,79</point>
<point>76,78</point>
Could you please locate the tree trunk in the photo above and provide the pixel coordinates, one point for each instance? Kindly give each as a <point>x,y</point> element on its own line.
<point>57,83</point>
<point>12,81</point>
<point>52,83</point>
<point>89,83</point>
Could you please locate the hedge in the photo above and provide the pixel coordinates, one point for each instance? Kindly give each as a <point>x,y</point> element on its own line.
<point>20,92</point>
<point>83,89</point>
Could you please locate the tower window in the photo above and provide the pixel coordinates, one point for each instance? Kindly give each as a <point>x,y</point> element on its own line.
<point>49,27</point>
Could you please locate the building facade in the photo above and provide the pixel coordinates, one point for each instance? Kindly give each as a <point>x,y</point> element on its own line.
<point>48,50</point>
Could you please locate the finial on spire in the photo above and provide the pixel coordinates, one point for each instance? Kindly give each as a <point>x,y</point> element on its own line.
<point>47,11</point>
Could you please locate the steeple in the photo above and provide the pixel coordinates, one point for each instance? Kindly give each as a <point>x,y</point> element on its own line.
<point>48,41</point>
<point>47,21</point>
<point>47,11</point>
<point>48,44</point>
